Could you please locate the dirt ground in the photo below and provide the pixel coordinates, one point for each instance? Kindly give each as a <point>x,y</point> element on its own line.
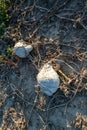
<point>57,31</point>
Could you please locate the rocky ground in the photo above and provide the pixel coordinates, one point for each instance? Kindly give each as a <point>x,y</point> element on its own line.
<point>57,30</point>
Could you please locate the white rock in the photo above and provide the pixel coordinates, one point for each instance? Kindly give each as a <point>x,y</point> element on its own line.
<point>48,80</point>
<point>22,50</point>
<point>28,48</point>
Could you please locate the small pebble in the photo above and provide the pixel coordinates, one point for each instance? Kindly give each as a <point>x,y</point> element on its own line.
<point>22,50</point>
<point>48,80</point>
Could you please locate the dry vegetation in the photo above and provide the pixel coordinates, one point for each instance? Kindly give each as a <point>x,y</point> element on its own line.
<point>58,32</point>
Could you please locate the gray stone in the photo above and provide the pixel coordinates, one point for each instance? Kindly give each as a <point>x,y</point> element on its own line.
<point>22,50</point>
<point>48,80</point>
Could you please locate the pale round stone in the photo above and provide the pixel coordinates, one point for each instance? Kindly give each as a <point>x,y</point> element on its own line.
<point>48,80</point>
<point>22,50</point>
<point>19,44</point>
<point>28,48</point>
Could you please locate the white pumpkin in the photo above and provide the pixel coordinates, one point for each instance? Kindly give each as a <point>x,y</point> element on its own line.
<point>48,80</point>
